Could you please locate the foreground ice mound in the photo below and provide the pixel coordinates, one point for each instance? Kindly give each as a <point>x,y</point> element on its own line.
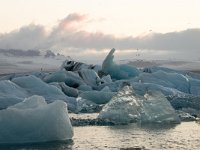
<point>126,107</point>
<point>118,72</point>
<point>33,120</point>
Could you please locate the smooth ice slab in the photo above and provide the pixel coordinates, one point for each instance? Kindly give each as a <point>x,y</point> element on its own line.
<point>33,120</point>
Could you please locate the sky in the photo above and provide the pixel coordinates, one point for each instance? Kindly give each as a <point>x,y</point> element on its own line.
<point>88,29</point>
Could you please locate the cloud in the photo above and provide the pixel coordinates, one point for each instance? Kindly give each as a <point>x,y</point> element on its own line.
<point>72,20</point>
<point>70,37</point>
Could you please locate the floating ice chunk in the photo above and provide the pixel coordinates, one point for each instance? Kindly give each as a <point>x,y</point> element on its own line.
<point>84,105</point>
<point>185,116</point>
<point>36,86</point>
<point>141,88</point>
<point>171,80</point>
<point>31,102</point>
<point>194,86</point>
<point>118,71</point>
<point>70,78</point>
<point>107,79</point>
<point>56,84</point>
<point>123,108</point>
<point>69,91</point>
<point>90,77</point>
<point>70,65</point>
<point>114,86</point>
<point>185,101</point>
<point>97,97</point>
<point>106,89</point>
<point>35,121</point>
<point>158,109</point>
<point>85,88</point>
<point>126,107</point>
<point>10,94</point>
<point>59,76</point>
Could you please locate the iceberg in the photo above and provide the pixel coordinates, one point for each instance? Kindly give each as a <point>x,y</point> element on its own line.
<point>126,107</point>
<point>98,97</point>
<point>33,120</point>
<point>84,88</point>
<point>11,93</point>
<point>70,78</point>
<point>90,77</point>
<point>156,108</point>
<point>70,65</point>
<point>69,91</point>
<point>194,86</point>
<point>86,106</point>
<point>171,80</point>
<point>123,108</point>
<point>142,88</point>
<point>36,86</point>
<point>118,72</point>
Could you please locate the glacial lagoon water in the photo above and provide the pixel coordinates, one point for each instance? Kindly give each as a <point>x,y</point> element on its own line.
<point>184,136</point>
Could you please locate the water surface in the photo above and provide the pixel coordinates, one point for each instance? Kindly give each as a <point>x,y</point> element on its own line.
<point>182,136</point>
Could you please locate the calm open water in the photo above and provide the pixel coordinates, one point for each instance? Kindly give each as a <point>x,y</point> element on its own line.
<point>182,136</point>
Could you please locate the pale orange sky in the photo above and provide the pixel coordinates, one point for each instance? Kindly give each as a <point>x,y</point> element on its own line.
<point>159,29</point>
<point>119,17</point>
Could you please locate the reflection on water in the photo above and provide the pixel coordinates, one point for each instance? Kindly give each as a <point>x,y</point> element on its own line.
<point>150,136</point>
<point>182,136</point>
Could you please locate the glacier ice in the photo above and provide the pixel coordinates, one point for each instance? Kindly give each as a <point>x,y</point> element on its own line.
<point>158,109</point>
<point>10,93</point>
<point>90,77</point>
<point>70,65</point>
<point>84,88</point>
<point>33,120</point>
<point>126,107</point>
<point>123,108</point>
<point>87,106</point>
<point>107,79</point>
<point>98,97</point>
<point>171,80</point>
<point>36,86</point>
<point>69,91</point>
<point>118,72</point>
<point>70,78</point>
<point>194,87</point>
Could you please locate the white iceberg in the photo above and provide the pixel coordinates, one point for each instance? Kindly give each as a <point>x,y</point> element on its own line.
<point>33,120</point>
